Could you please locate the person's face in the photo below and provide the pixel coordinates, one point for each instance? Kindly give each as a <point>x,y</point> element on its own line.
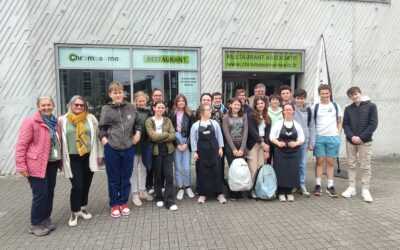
<point>141,101</point>
<point>288,112</point>
<point>242,97</point>
<point>275,102</point>
<point>117,96</point>
<point>159,109</point>
<point>181,103</point>
<point>157,96</point>
<point>206,100</point>
<point>285,95</point>
<point>355,97</point>
<point>235,106</point>
<point>299,100</point>
<point>217,100</point>
<point>260,105</point>
<point>207,112</point>
<point>46,107</point>
<point>259,92</point>
<point>324,94</point>
<point>78,107</point>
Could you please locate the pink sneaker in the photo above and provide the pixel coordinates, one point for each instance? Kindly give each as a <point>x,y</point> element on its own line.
<point>221,199</point>
<point>201,199</point>
<point>115,212</point>
<point>125,210</point>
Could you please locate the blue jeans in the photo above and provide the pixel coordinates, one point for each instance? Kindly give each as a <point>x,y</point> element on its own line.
<point>147,154</point>
<point>182,164</point>
<point>303,163</point>
<point>43,193</point>
<point>119,167</point>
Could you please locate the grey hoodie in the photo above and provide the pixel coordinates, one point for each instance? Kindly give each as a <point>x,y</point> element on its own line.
<point>118,122</point>
<point>301,116</point>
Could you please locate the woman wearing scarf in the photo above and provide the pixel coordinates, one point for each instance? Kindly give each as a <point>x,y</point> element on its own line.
<point>37,157</point>
<point>82,155</point>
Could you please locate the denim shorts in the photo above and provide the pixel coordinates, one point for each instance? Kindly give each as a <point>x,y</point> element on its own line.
<point>327,146</point>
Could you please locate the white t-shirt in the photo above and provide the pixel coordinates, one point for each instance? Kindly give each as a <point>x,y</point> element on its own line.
<point>326,119</point>
<point>158,125</point>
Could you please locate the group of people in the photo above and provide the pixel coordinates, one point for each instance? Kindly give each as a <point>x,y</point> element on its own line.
<point>145,143</point>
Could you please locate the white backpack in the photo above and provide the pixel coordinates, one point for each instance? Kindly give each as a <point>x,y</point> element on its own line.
<point>239,175</point>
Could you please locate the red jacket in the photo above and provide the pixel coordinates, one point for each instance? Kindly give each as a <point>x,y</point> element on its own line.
<point>33,146</point>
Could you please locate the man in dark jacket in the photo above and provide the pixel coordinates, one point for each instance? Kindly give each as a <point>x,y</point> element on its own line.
<point>359,122</point>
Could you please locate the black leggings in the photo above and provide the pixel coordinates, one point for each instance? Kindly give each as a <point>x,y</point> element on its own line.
<point>81,181</point>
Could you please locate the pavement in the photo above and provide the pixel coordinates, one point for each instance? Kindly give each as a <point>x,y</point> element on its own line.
<point>307,223</point>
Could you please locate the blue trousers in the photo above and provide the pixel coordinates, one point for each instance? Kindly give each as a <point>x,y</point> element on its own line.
<point>119,167</point>
<point>43,193</point>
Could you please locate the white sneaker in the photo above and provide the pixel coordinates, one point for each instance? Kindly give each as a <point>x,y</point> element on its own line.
<point>173,208</point>
<point>282,197</point>
<point>253,194</point>
<point>84,214</point>
<point>189,192</point>
<point>145,196</point>
<point>73,220</point>
<point>290,197</point>
<point>136,200</point>
<point>180,194</point>
<point>349,192</point>
<point>160,203</point>
<point>367,195</point>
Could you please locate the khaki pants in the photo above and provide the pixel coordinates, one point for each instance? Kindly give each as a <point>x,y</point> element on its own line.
<point>364,155</point>
<point>255,159</point>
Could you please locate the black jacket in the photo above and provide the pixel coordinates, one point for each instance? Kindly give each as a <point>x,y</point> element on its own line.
<point>360,121</point>
<point>254,137</point>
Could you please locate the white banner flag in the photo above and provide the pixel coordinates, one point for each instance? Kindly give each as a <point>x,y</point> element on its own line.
<point>322,74</point>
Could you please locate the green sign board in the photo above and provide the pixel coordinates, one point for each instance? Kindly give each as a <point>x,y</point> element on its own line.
<point>164,59</point>
<point>275,61</point>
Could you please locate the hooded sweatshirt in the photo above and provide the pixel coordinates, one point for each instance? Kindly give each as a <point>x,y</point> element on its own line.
<point>302,117</point>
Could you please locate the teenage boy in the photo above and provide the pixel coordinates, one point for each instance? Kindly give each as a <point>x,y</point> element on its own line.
<point>328,118</point>
<point>359,123</point>
<point>219,110</point>
<point>286,94</point>
<point>242,95</point>
<point>119,130</point>
<point>303,116</point>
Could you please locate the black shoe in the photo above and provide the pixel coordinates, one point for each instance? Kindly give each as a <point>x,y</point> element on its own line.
<point>226,183</point>
<point>331,191</point>
<point>318,190</point>
<point>232,195</point>
<point>239,196</point>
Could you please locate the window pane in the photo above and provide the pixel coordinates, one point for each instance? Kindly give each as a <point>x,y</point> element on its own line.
<point>92,85</point>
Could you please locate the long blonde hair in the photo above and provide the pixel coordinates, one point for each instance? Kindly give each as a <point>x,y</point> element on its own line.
<point>186,109</point>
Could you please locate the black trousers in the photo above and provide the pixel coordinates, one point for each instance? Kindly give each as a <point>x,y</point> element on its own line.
<point>163,170</point>
<point>81,181</point>
<point>43,193</point>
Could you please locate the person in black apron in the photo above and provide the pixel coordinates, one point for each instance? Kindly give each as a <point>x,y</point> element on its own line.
<point>287,135</point>
<point>207,143</point>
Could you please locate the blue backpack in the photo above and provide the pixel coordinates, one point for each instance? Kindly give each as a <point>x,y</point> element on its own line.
<point>266,183</point>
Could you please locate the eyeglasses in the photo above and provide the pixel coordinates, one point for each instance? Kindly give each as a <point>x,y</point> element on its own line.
<point>79,105</point>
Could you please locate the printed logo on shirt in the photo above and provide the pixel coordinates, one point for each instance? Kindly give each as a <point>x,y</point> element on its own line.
<point>129,117</point>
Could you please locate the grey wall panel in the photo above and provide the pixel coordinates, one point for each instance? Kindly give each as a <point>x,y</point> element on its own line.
<point>362,43</point>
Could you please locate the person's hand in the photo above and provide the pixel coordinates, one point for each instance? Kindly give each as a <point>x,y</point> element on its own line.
<point>239,153</point>
<point>310,148</point>
<point>235,152</point>
<point>293,144</point>
<point>356,140</point>
<point>136,138</point>
<point>265,146</point>
<point>195,156</point>
<point>220,152</point>
<point>281,144</point>
<point>266,155</point>
<point>104,140</point>
<point>100,161</point>
<point>25,174</point>
<point>183,147</point>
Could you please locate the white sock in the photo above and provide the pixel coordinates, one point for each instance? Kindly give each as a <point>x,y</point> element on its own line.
<point>330,183</point>
<point>318,181</point>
